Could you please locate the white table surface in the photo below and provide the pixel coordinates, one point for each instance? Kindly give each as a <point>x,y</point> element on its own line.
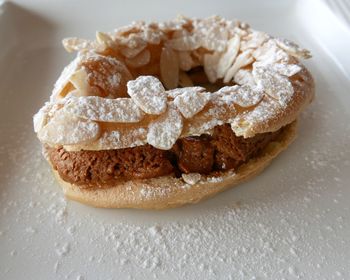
<point>291,222</point>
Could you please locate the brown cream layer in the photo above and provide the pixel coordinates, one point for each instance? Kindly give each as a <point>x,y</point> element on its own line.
<point>205,154</point>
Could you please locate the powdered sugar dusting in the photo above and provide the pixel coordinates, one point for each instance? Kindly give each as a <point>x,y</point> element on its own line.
<point>244,96</point>
<point>191,102</point>
<point>149,94</point>
<point>164,131</point>
<point>123,139</point>
<point>65,129</point>
<point>255,231</point>
<point>292,48</point>
<point>151,192</point>
<point>260,65</point>
<point>106,110</point>
<point>245,122</point>
<point>274,84</point>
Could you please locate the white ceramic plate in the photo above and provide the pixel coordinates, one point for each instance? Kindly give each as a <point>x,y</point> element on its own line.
<point>291,222</point>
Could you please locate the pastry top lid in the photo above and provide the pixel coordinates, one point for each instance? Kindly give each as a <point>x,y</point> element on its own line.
<point>134,85</point>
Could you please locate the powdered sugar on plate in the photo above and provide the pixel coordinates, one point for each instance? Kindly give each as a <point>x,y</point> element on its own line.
<point>260,224</point>
<point>291,222</point>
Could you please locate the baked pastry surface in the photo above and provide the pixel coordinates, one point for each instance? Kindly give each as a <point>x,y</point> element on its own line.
<point>152,97</point>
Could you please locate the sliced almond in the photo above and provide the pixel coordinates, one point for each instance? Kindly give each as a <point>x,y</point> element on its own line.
<point>132,45</point>
<point>104,110</point>
<point>191,102</point>
<point>270,53</point>
<point>149,94</point>
<point>185,43</point>
<point>107,75</point>
<point>292,48</point>
<point>228,57</point>
<point>76,44</point>
<point>139,60</point>
<point>274,84</point>
<point>105,40</point>
<point>63,80</point>
<point>169,67</point>
<point>244,96</point>
<point>79,79</point>
<point>185,60</point>
<point>191,178</point>
<point>41,118</point>
<point>164,131</point>
<point>286,69</point>
<point>216,112</point>
<point>123,138</point>
<point>213,33</point>
<point>244,77</point>
<point>213,44</point>
<point>210,66</point>
<point>65,129</point>
<point>253,40</point>
<point>152,35</point>
<point>244,59</point>
<point>178,91</point>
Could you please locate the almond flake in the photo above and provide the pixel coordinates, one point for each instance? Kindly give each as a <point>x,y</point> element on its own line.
<point>164,131</point>
<point>191,178</point>
<point>253,40</point>
<point>274,84</point>
<point>79,79</point>
<point>149,94</point>
<point>224,96</point>
<point>134,27</point>
<point>244,59</point>
<point>76,44</point>
<point>169,68</point>
<point>63,80</point>
<point>185,61</point>
<point>191,102</point>
<point>246,96</point>
<point>105,40</point>
<point>292,48</point>
<point>211,65</point>
<point>152,35</point>
<point>244,77</point>
<point>132,45</point>
<point>178,91</point>
<point>139,60</point>
<point>76,93</point>
<point>286,69</point>
<point>213,33</point>
<point>123,138</point>
<point>41,118</point>
<point>239,31</point>
<point>185,43</point>
<point>170,26</point>
<point>104,110</point>
<point>228,57</point>
<point>215,39</point>
<point>107,75</point>
<point>270,53</point>
<point>65,129</point>
<point>216,112</point>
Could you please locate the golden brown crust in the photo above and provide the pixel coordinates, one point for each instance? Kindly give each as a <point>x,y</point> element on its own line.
<point>170,192</point>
